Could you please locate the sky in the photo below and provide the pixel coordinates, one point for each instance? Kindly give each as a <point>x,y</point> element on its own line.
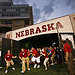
<point>44,10</point>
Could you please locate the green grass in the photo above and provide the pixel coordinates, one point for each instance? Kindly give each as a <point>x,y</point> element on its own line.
<point>52,70</point>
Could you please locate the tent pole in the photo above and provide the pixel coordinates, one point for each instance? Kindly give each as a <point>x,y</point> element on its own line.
<point>60,45</point>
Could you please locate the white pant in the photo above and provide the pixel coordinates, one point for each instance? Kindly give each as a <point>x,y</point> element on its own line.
<point>37,59</point>
<point>45,61</point>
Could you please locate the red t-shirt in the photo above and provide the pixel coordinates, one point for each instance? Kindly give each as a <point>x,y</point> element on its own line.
<point>28,52</point>
<point>36,53</point>
<point>67,48</point>
<point>46,56</point>
<point>52,51</point>
<point>8,56</point>
<point>24,54</point>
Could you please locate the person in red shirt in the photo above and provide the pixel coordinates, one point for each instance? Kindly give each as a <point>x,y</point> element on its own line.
<point>53,55</point>
<point>30,55</point>
<point>46,58</point>
<point>8,60</point>
<point>67,48</point>
<point>36,57</point>
<point>68,57</point>
<point>24,57</point>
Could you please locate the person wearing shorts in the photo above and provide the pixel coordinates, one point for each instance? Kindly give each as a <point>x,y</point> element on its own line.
<point>53,55</point>
<point>35,58</point>
<point>46,58</point>
<point>8,60</point>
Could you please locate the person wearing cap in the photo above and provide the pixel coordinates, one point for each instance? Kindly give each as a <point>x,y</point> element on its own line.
<point>68,57</point>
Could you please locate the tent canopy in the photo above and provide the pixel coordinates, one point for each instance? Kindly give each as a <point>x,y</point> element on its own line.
<point>48,27</point>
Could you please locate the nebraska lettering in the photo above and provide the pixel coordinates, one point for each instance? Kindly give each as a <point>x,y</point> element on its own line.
<point>36,30</point>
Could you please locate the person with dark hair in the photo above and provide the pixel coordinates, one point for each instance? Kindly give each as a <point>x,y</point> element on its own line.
<point>69,42</point>
<point>68,57</point>
<point>46,58</point>
<point>46,49</point>
<point>49,55</point>
<point>53,55</point>
<point>57,56</point>
<point>38,50</point>
<point>41,57</point>
<point>24,57</point>
<point>36,57</point>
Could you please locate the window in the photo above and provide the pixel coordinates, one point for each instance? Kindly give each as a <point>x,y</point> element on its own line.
<point>8,9</point>
<point>22,14</point>
<point>17,23</point>
<point>11,10</point>
<point>22,9</point>
<point>7,22</point>
<point>4,15</point>
<point>0,15</point>
<point>3,9</point>
<point>17,14</point>
<point>8,15</point>
<point>17,9</point>
<point>26,9</point>
<point>0,9</point>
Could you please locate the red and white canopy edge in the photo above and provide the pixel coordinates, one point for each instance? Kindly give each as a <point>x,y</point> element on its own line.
<point>48,27</point>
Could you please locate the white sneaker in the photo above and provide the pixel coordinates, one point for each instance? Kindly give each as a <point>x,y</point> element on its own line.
<point>52,64</point>
<point>55,62</point>
<point>13,68</point>
<point>35,65</point>
<point>38,66</point>
<point>0,67</point>
<point>22,71</point>
<point>28,69</point>
<point>45,68</point>
<point>6,71</point>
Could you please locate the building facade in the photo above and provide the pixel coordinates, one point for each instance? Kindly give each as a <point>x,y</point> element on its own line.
<point>14,16</point>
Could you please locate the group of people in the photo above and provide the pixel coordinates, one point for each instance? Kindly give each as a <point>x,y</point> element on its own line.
<point>37,56</point>
<point>47,56</point>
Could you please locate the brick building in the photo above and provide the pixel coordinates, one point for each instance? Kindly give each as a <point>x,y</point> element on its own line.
<point>14,17</point>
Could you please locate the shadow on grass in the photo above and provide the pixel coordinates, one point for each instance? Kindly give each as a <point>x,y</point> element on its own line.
<point>52,70</point>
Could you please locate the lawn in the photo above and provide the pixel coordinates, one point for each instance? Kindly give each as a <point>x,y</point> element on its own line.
<point>52,70</point>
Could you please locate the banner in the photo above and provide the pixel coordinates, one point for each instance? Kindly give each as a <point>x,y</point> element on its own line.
<point>48,27</point>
